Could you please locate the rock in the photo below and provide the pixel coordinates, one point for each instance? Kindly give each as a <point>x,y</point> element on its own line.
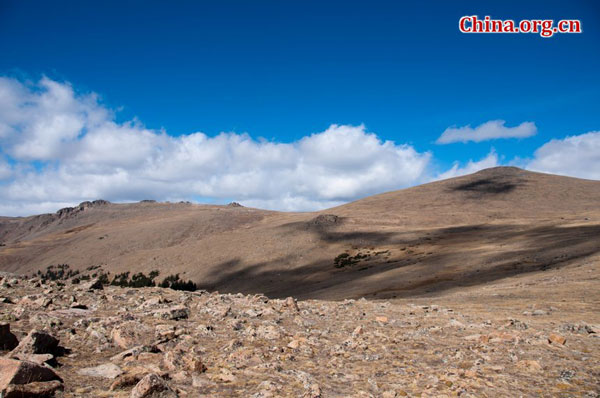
<point>167,332</point>
<point>133,352</point>
<point>357,331</point>
<point>106,370</point>
<point>566,375</point>
<point>193,363</point>
<point>382,319</point>
<point>37,342</point>
<point>294,344</point>
<point>43,302</point>
<point>177,360</point>
<point>291,303</point>
<point>556,339</point>
<point>455,323</point>
<point>531,365</point>
<point>129,334</point>
<point>94,284</point>
<point>593,329</point>
<point>151,303</point>
<point>15,372</point>
<point>40,359</point>
<point>173,313</point>
<point>19,312</point>
<point>268,332</point>
<point>124,381</point>
<point>539,312</point>
<point>36,389</point>
<point>152,385</point>
<point>8,341</point>
<point>313,391</point>
<point>226,376</point>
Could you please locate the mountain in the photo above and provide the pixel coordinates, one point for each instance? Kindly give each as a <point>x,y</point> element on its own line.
<point>426,240</point>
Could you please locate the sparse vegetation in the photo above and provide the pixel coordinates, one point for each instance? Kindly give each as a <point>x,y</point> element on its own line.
<point>347,260</point>
<point>57,272</point>
<point>343,260</point>
<point>137,280</point>
<point>175,283</point>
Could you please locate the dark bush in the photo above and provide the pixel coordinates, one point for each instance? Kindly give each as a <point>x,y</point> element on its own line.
<point>57,272</point>
<point>121,279</point>
<point>137,280</point>
<point>103,278</point>
<point>175,283</point>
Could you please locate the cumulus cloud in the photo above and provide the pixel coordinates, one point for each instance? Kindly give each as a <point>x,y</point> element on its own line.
<point>491,160</point>
<point>65,147</point>
<point>491,130</point>
<point>577,156</point>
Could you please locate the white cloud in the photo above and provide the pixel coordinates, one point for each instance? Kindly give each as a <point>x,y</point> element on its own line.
<point>577,156</point>
<point>5,170</point>
<point>491,160</point>
<point>85,154</point>
<point>487,131</point>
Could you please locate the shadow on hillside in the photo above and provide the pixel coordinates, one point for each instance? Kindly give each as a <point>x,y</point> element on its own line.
<point>540,249</point>
<point>487,186</point>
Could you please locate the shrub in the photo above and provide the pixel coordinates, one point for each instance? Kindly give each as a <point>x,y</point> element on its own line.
<point>121,279</point>
<point>103,278</point>
<point>136,281</point>
<point>57,272</point>
<point>175,283</point>
<point>344,260</point>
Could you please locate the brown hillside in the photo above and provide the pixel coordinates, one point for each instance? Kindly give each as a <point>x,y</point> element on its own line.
<point>466,231</point>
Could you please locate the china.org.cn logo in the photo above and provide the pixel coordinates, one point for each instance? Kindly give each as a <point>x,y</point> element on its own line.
<point>543,27</point>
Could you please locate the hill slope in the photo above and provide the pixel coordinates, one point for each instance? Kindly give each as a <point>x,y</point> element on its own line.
<point>465,231</point>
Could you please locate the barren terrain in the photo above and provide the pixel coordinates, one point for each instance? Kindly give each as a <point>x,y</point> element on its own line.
<point>460,232</point>
<point>486,285</point>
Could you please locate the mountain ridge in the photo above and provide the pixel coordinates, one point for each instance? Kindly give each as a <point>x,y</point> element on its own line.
<point>400,243</point>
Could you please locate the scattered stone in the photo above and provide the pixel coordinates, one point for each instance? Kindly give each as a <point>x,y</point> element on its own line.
<point>291,303</point>
<point>15,372</point>
<point>94,284</point>
<point>125,381</point>
<point>152,385</point>
<point>531,365</point>
<point>133,352</point>
<point>556,339</point>
<point>37,342</point>
<point>40,359</point>
<point>106,370</point>
<point>566,375</point>
<point>36,389</point>
<point>313,391</point>
<point>173,313</point>
<point>129,334</point>
<point>294,344</point>
<point>248,345</point>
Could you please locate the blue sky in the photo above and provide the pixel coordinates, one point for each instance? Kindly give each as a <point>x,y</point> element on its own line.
<point>285,70</point>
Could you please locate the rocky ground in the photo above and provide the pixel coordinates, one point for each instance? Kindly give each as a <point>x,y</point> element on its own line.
<point>93,341</point>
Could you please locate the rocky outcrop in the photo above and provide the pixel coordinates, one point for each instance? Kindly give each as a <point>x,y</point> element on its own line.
<point>27,379</point>
<point>37,342</point>
<point>152,386</point>
<point>71,211</point>
<point>154,342</point>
